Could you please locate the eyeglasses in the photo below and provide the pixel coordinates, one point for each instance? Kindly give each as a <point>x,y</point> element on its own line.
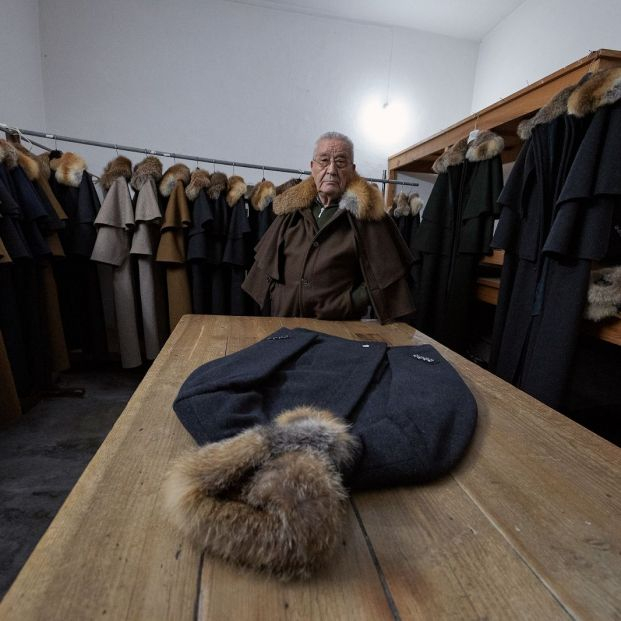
<point>325,161</point>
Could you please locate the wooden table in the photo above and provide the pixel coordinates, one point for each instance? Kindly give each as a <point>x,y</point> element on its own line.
<point>527,527</point>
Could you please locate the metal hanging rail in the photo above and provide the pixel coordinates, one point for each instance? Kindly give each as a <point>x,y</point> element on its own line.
<point>177,156</point>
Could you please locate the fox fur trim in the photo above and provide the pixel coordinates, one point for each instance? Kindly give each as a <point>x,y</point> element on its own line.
<point>270,498</point>
<point>283,187</point>
<point>602,88</point>
<point>8,154</point>
<point>402,206</point>
<point>556,107</point>
<point>69,169</point>
<point>28,161</point>
<point>360,198</point>
<point>149,168</point>
<point>262,195</point>
<point>485,146</point>
<point>236,189</point>
<point>416,203</point>
<point>44,164</point>
<point>120,166</point>
<point>199,179</point>
<point>217,185</point>
<point>604,294</point>
<point>177,172</point>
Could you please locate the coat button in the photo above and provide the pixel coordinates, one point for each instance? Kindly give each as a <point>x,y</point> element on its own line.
<point>315,244</point>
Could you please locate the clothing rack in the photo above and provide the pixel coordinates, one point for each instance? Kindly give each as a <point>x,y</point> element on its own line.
<point>180,156</point>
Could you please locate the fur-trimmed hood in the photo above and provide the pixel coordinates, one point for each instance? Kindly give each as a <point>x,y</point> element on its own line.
<point>270,498</point>
<point>360,198</point>
<point>599,89</point>
<point>149,168</point>
<point>485,146</point>
<point>8,154</point>
<point>177,172</point>
<point>236,189</point>
<point>69,168</point>
<point>262,195</point>
<point>199,179</point>
<point>120,166</point>
<point>217,185</point>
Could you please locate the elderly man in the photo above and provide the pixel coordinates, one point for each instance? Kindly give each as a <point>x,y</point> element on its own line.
<point>332,250</point>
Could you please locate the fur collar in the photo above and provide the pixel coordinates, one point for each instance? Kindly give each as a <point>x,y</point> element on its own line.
<point>416,203</point>
<point>362,199</point>
<point>199,179</point>
<point>44,164</point>
<point>217,185</point>
<point>8,154</point>
<point>28,162</point>
<point>557,106</point>
<point>69,168</point>
<point>120,166</point>
<point>149,168</point>
<point>283,187</point>
<point>405,205</point>
<point>484,147</point>
<point>177,172</point>
<point>604,294</point>
<point>262,195</point>
<point>599,89</point>
<point>237,188</point>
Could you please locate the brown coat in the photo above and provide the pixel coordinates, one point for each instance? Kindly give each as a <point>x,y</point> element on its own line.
<point>302,271</point>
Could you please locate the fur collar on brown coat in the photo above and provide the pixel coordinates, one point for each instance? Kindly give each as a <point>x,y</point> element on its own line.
<point>362,199</point>
<point>149,168</point>
<point>120,166</point>
<point>177,172</point>
<point>484,147</point>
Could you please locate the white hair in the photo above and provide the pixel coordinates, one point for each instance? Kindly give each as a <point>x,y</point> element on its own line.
<point>335,136</point>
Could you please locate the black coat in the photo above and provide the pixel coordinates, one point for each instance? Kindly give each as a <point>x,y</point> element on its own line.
<point>412,412</point>
<point>455,232</point>
<point>557,217</point>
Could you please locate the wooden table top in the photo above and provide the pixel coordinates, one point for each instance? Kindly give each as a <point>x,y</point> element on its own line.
<point>527,527</point>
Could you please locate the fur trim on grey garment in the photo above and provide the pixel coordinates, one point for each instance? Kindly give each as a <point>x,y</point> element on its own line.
<point>602,88</point>
<point>120,166</point>
<point>604,294</point>
<point>149,168</point>
<point>236,189</point>
<point>270,498</point>
<point>263,195</point>
<point>199,179</point>
<point>69,168</point>
<point>177,172</point>
<point>362,199</point>
<point>217,186</point>
<point>484,147</point>
<point>8,154</point>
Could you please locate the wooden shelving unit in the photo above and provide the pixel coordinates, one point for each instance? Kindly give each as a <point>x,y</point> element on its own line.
<point>503,117</point>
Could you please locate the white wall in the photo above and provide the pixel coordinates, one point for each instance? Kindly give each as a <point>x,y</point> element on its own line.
<point>538,38</point>
<point>239,82</point>
<point>21,94</point>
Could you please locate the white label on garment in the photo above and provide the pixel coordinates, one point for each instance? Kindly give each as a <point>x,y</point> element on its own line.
<point>366,346</point>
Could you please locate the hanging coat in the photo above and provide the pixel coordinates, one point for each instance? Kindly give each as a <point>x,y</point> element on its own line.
<point>151,279</point>
<point>549,243</point>
<point>115,224</point>
<point>171,251</point>
<point>77,277</point>
<point>454,234</point>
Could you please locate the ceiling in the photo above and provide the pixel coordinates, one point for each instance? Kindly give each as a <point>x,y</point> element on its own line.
<point>464,19</point>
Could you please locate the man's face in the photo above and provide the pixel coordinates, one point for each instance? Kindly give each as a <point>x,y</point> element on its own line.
<point>332,168</point>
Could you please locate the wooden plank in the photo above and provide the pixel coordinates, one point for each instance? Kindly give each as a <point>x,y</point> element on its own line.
<point>348,588</point>
<point>109,552</point>
<point>550,487</point>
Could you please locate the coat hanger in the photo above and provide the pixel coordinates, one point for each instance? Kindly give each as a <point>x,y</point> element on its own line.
<point>475,132</point>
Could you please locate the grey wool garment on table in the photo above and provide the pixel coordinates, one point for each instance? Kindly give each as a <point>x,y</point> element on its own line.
<point>410,411</point>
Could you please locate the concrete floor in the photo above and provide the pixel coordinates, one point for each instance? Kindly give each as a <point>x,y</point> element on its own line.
<point>44,454</point>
